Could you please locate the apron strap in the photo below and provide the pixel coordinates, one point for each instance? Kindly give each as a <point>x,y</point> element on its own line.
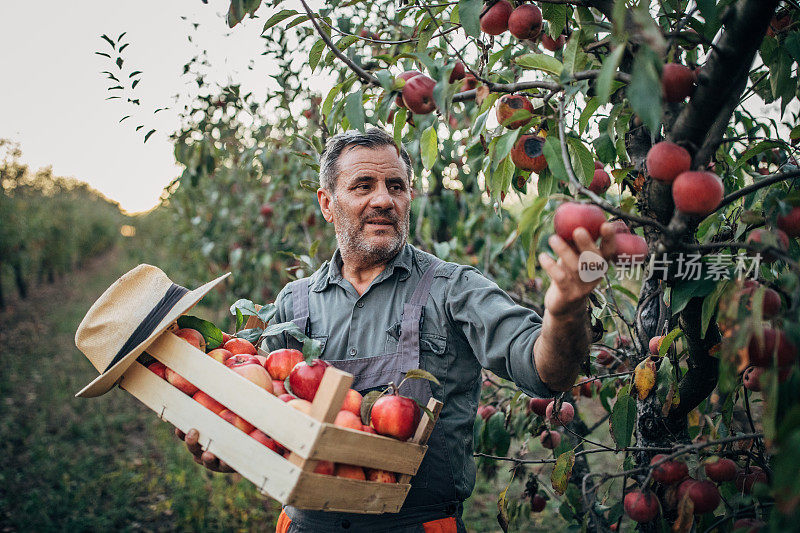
<point>408,347</point>
<point>300,310</point>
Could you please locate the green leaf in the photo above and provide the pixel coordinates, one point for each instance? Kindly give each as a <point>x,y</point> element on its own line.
<point>147,135</point>
<point>497,434</point>
<point>644,91</point>
<point>312,349</point>
<point>386,79</point>
<point>299,20</point>
<point>251,335</point>
<point>239,320</point>
<point>399,122</point>
<point>669,338</point>
<point>505,143</point>
<point>354,110</point>
<point>592,104</point>
<point>584,159</point>
<point>623,418</point>
<point>572,55</point>
<point>342,44</point>
<point>758,148</point>
<point>562,471</point>
<point>610,66</point>
<point>211,333</point>
<point>710,305</point>
<point>429,146</point>
<point>540,62</point>
<point>469,12</point>
<point>246,307</point>
<point>278,17</point>
<point>685,290</point>
<point>552,153</point>
<point>315,54</point>
<point>556,15</point>
<point>480,123</point>
<point>418,373</point>
<point>366,405</point>
<point>328,104</point>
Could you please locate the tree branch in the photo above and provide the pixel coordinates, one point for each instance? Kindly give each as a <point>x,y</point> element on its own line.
<point>767,181</point>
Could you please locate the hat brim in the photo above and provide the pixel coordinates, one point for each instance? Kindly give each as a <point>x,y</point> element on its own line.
<point>105,381</point>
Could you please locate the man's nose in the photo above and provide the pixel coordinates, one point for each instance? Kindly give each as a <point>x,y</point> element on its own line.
<point>381,197</point>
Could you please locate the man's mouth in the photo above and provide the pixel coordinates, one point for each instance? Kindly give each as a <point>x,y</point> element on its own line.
<point>380,222</point>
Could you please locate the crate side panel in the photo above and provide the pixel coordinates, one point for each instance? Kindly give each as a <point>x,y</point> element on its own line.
<point>344,445</point>
<point>270,472</point>
<point>330,493</point>
<point>293,429</point>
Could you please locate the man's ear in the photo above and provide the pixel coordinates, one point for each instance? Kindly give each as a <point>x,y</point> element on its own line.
<point>325,199</point>
<point>413,193</point>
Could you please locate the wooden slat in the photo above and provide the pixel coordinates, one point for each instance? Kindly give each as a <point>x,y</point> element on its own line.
<point>329,493</point>
<point>344,445</point>
<point>327,403</point>
<point>424,429</point>
<point>270,472</point>
<point>293,429</point>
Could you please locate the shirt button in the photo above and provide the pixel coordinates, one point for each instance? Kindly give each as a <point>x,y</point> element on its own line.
<point>353,352</point>
<point>345,524</point>
<point>360,304</point>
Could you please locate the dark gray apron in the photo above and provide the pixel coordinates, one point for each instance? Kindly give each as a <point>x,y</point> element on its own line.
<point>432,494</point>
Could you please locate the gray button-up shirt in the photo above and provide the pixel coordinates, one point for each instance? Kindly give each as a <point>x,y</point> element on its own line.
<point>468,323</point>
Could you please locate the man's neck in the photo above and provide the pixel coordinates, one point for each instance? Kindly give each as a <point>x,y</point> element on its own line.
<point>361,273</point>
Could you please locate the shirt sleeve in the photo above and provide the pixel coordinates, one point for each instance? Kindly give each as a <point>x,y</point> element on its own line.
<point>500,332</point>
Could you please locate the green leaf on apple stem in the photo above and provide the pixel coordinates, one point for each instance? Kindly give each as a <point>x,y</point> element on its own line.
<point>562,471</point>
<point>425,410</point>
<point>239,320</point>
<point>623,419</point>
<point>469,12</point>
<point>429,147</point>
<point>354,110</point>
<point>251,335</point>
<point>247,307</point>
<point>366,405</point>
<point>211,333</point>
<point>312,349</point>
<point>418,373</point>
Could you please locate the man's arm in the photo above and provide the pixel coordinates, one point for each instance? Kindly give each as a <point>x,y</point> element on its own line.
<point>564,340</point>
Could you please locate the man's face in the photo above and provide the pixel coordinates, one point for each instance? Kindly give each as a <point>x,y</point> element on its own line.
<point>371,204</point>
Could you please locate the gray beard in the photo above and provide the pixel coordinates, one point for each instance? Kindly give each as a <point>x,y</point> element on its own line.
<point>349,237</point>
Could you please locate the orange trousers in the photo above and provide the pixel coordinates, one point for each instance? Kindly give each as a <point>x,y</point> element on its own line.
<point>443,525</point>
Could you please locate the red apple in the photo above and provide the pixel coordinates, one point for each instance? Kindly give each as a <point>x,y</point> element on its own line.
<point>747,477</point>
<point>304,406</point>
<point>418,94</point>
<point>510,104</point>
<point>770,305</point>
<point>352,402</point>
<point>539,405</point>
<point>564,415</point>
<point>528,153</point>
<point>774,343</point>
<point>193,337</point>
<point>240,346</point>
<point>267,441</point>
<point>208,402</point>
<point>485,411</point>
<point>304,379</point>
<point>278,387</point>
<point>704,494</point>
<point>286,397</point>
<point>677,82</point>
<point>538,503</point>
<point>570,216</point>
<point>220,354</point>
<point>553,45</point>
<point>550,439</point>
<point>697,192</point>
<point>225,338</point>
<point>495,20</point>
<point>381,476</point>
<point>655,344</point>
<point>255,373</point>
<point>776,239</point>
<point>458,72</point>
<point>158,368</point>
<point>630,248</point>
<point>180,383</point>
<point>790,223</point>
<point>237,421</point>
<point>752,378</point>
<point>525,22</point>
<point>604,357</point>
<point>395,416</point>
<point>266,209</point>
<point>241,359</point>
<point>349,471</point>
<point>324,467</point>
<point>641,507</point>
<point>666,160</point>
<point>669,472</point>
<point>601,181</point>
<point>346,419</point>
<point>598,165</point>
<point>720,470</point>
<point>281,362</point>
<point>369,429</point>
<point>405,76</point>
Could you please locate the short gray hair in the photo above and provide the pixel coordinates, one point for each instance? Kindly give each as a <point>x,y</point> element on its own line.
<point>371,138</point>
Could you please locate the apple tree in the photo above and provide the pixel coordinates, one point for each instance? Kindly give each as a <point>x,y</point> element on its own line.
<point>676,118</point>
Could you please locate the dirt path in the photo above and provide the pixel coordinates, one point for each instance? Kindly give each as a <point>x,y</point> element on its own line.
<point>74,464</point>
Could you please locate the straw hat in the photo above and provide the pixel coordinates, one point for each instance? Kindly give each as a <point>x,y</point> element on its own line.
<point>129,316</point>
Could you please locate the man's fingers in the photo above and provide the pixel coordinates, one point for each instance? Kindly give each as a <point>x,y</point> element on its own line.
<point>224,467</point>
<point>583,240</point>
<point>608,243</point>
<point>553,270</point>
<point>191,442</point>
<point>180,434</point>
<point>564,251</point>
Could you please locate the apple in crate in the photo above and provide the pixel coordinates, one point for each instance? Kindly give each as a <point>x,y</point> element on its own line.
<point>346,419</point>
<point>248,367</point>
<point>304,379</point>
<point>208,402</point>
<point>352,402</point>
<point>193,337</point>
<point>180,383</point>
<point>349,471</point>
<point>267,441</point>
<point>159,369</point>
<point>382,476</point>
<point>280,363</point>
<point>237,346</point>
<point>395,416</point>
<point>237,421</point>
<point>220,354</point>
<point>324,467</point>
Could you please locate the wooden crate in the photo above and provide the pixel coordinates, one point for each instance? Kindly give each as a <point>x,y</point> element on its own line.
<point>310,438</point>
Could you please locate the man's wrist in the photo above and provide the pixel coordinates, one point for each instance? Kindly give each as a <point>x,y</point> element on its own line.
<point>573,311</point>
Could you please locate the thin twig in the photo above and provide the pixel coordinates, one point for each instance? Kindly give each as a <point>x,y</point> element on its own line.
<point>760,184</point>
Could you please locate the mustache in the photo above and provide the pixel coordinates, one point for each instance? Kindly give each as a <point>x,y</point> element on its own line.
<point>381,218</point>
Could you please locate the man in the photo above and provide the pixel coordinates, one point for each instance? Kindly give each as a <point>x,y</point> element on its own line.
<point>381,307</point>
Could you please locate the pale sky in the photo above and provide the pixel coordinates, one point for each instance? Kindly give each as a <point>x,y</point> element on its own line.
<point>52,95</point>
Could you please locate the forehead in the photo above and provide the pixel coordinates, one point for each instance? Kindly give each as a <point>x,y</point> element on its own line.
<point>380,162</point>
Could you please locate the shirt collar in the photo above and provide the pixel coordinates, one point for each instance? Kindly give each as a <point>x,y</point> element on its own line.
<point>401,262</point>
